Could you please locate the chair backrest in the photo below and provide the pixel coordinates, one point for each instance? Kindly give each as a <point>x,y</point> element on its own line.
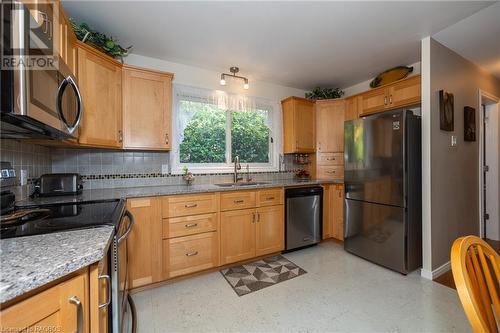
<point>476,271</point>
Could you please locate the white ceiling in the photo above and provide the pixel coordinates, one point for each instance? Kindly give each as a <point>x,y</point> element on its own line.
<point>296,44</point>
<point>476,38</point>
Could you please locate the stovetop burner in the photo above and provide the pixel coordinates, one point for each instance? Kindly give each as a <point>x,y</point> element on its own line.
<point>43,219</point>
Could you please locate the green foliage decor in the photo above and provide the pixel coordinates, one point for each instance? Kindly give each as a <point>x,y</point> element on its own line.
<point>104,43</point>
<point>324,93</point>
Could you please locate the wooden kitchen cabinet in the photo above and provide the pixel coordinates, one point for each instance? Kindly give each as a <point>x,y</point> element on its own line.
<point>145,242</point>
<point>67,42</point>
<point>100,82</point>
<point>299,133</point>
<point>237,235</point>
<point>269,230</point>
<point>147,109</point>
<point>330,125</point>
<point>333,211</point>
<point>352,105</point>
<point>53,310</point>
<point>99,295</point>
<point>398,94</point>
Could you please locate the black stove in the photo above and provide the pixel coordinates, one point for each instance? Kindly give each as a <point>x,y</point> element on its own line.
<point>44,219</point>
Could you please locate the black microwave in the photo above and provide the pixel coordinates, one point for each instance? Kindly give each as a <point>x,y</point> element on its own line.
<point>38,99</point>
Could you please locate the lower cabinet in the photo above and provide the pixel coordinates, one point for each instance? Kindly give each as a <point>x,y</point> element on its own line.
<point>145,242</point>
<point>248,233</point>
<point>99,296</point>
<point>56,309</point>
<point>333,211</point>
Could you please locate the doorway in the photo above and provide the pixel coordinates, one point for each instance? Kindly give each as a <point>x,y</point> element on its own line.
<point>489,145</point>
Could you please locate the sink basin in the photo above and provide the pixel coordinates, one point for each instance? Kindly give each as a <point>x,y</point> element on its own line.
<point>242,184</point>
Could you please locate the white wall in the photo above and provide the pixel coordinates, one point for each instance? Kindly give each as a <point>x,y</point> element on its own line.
<point>365,85</point>
<point>209,79</point>
<point>492,141</point>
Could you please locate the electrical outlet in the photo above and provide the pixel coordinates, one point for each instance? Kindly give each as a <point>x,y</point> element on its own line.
<point>453,140</point>
<point>164,169</point>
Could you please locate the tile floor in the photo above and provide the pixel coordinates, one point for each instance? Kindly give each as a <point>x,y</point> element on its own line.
<point>340,293</point>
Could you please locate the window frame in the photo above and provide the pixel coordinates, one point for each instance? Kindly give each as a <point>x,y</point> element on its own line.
<point>274,112</point>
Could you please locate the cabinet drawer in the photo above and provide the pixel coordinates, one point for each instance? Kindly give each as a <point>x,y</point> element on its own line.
<point>330,172</point>
<point>189,225</point>
<point>191,253</point>
<point>183,205</point>
<point>237,200</point>
<point>270,197</point>
<point>331,158</point>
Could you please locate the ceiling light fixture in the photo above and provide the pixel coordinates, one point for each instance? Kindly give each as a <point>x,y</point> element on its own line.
<point>233,71</point>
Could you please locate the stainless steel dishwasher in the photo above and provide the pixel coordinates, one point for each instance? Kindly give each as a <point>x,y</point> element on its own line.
<point>304,214</point>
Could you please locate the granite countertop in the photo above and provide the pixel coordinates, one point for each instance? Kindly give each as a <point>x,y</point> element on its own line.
<point>33,261</point>
<point>30,262</point>
<point>150,191</point>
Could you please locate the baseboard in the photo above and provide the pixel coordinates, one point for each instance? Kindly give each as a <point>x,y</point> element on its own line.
<point>431,275</point>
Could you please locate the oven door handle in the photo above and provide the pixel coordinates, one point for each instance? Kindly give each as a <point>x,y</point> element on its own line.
<point>69,80</point>
<point>132,221</point>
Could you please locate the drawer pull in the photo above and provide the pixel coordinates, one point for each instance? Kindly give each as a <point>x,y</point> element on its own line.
<point>239,201</point>
<point>270,198</point>
<point>191,225</point>
<point>330,158</point>
<point>190,254</point>
<point>330,172</point>
<point>191,205</point>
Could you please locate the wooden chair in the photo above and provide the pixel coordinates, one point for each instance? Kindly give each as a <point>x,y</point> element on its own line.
<point>476,271</point>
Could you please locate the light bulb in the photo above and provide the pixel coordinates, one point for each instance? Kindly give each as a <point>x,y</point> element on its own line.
<point>222,80</point>
<point>245,86</point>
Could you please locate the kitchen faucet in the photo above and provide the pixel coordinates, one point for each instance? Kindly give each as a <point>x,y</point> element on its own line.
<point>237,166</point>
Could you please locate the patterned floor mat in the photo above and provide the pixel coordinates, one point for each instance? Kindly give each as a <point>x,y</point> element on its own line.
<point>245,279</point>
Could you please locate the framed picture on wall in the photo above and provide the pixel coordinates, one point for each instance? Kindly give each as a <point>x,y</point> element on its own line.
<point>446,117</point>
<point>469,123</point>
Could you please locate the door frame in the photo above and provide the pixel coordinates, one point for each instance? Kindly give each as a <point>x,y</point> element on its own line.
<point>492,99</point>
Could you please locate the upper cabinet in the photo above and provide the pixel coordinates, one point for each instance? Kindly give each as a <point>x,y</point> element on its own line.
<point>401,93</point>
<point>298,125</point>
<point>330,125</point>
<point>100,81</point>
<point>147,109</point>
<point>67,42</point>
<point>352,105</point>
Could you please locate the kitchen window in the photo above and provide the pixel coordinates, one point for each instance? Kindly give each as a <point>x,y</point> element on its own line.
<point>212,127</point>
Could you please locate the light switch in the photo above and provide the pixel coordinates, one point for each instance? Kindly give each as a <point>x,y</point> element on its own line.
<point>453,140</point>
<point>164,169</point>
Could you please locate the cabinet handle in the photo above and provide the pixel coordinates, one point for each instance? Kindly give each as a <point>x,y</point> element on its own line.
<point>330,172</point>
<point>120,136</point>
<point>390,99</point>
<point>330,158</point>
<point>79,313</point>
<point>190,205</point>
<point>191,225</point>
<point>385,100</point>
<point>166,138</point>
<point>190,254</point>
<point>238,201</point>
<point>258,217</point>
<point>108,285</point>
<point>253,217</point>
<point>270,198</point>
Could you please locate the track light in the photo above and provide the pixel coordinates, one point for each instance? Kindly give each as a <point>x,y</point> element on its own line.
<point>233,71</point>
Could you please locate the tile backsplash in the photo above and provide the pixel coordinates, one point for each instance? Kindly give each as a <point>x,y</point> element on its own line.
<point>36,160</point>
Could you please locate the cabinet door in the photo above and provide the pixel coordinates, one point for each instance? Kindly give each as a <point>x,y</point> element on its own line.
<point>337,202</point>
<point>305,126</point>
<point>330,125</point>
<point>405,92</point>
<point>374,101</point>
<point>100,78</point>
<point>237,235</point>
<point>145,242</point>
<point>52,310</point>
<point>327,225</point>
<point>67,42</point>
<point>352,108</point>
<point>99,296</point>
<point>269,230</point>
<point>147,100</point>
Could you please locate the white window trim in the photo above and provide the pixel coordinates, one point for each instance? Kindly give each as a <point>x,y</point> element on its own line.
<point>275,148</point>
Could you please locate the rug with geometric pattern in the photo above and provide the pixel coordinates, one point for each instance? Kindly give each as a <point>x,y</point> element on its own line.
<point>247,278</point>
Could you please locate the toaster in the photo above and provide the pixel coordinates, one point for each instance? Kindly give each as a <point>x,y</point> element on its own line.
<point>53,184</point>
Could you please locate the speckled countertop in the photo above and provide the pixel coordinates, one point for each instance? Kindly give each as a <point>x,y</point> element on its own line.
<point>31,262</point>
<point>149,191</point>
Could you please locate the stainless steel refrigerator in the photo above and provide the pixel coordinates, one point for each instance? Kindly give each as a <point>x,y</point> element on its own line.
<point>383,204</point>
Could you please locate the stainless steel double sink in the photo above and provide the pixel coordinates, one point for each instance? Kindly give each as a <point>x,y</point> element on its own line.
<point>242,184</point>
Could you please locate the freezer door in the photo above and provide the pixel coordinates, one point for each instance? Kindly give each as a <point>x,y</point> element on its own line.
<point>374,158</point>
<point>376,232</point>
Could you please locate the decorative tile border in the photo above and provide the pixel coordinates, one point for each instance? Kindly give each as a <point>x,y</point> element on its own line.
<point>166,175</point>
